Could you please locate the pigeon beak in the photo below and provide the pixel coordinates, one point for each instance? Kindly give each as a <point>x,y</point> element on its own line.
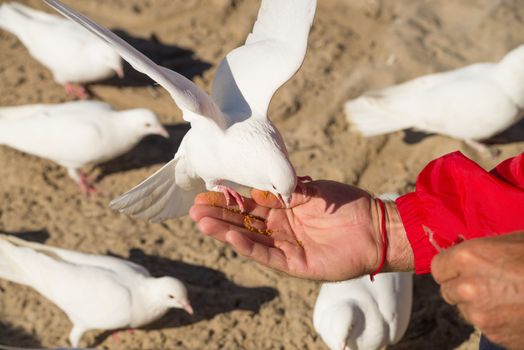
<point>286,200</point>
<point>163,132</point>
<point>120,72</point>
<point>188,308</point>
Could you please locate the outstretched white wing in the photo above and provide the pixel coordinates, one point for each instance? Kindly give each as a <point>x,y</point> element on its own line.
<point>188,96</point>
<point>249,75</point>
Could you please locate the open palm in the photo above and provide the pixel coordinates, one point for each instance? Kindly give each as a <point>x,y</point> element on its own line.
<point>330,231</point>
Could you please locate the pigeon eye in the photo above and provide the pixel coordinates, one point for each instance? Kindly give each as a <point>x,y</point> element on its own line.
<point>148,125</point>
<point>171,297</point>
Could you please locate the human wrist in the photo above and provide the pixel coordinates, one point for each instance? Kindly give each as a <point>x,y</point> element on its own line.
<point>399,254</point>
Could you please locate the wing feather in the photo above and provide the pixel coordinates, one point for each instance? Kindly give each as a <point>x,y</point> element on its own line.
<point>249,75</point>
<point>187,95</point>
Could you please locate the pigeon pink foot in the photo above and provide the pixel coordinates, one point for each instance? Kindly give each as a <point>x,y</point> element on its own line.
<point>76,90</point>
<point>228,193</point>
<point>85,185</point>
<point>116,334</point>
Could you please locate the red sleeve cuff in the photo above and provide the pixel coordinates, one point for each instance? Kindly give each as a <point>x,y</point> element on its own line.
<point>412,214</point>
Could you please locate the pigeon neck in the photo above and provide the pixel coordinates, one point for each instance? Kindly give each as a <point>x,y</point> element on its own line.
<point>148,306</point>
<point>510,75</point>
<point>126,132</point>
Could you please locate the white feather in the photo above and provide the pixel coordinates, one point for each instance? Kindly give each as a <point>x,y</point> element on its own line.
<point>75,134</point>
<point>470,103</point>
<point>362,315</point>
<point>66,48</point>
<point>231,139</point>
<point>95,292</point>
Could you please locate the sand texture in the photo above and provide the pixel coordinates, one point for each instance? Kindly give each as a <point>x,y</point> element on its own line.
<point>354,46</point>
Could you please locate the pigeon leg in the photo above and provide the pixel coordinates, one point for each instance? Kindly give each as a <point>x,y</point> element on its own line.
<point>81,179</point>
<point>116,334</point>
<point>228,193</point>
<point>76,90</point>
<point>76,335</point>
<point>483,150</point>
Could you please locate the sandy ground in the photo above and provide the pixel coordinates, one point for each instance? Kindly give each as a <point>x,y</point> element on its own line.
<point>355,45</point>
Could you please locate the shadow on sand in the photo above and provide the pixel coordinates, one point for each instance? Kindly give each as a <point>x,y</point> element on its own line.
<point>12,337</point>
<point>434,324</point>
<point>514,133</point>
<point>210,292</point>
<point>151,150</point>
<point>173,57</point>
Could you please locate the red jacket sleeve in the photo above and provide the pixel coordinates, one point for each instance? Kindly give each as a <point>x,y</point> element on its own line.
<point>455,200</point>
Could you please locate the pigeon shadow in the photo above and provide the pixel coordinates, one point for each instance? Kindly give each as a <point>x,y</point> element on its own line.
<point>434,324</point>
<point>150,150</point>
<point>38,236</point>
<point>12,337</point>
<point>412,136</point>
<point>173,57</point>
<point>210,292</point>
<point>513,134</point>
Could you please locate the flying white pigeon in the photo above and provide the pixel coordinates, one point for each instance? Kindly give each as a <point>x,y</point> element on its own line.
<point>75,134</point>
<point>470,103</point>
<point>362,315</point>
<point>94,291</point>
<point>231,140</point>
<point>67,49</point>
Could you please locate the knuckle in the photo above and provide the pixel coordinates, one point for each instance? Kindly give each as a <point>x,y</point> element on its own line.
<point>467,291</point>
<point>479,319</point>
<point>465,255</point>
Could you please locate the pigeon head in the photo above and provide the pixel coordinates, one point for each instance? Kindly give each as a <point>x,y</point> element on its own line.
<point>142,122</point>
<point>171,293</point>
<point>282,180</point>
<point>281,174</point>
<point>339,328</point>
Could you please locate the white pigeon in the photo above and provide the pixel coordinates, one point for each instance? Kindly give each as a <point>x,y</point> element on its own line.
<point>94,291</point>
<point>359,314</point>
<point>470,103</point>
<point>75,134</point>
<point>67,49</point>
<point>362,315</point>
<point>231,140</point>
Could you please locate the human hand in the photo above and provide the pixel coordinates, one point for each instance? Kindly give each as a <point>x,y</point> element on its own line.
<point>484,277</point>
<point>330,232</point>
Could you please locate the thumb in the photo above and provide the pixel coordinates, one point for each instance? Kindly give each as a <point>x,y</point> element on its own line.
<point>267,199</point>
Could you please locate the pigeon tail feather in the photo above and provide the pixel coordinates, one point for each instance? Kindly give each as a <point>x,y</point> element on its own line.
<point>367,116</point>
<point>9,268</point>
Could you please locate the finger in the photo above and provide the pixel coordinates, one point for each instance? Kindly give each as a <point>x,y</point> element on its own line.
<point>269,200</point>
<point>218,229</point>
<point>211,198</point>
<point>464,290</point>
<point>215,199</point>
<point>199,211</point>
<point>266,199</point>
<point>259,252</point>
<point>444,267</point>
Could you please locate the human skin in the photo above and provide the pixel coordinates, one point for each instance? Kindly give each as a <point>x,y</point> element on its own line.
<point>484,278</point>
<point>330,232</point>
